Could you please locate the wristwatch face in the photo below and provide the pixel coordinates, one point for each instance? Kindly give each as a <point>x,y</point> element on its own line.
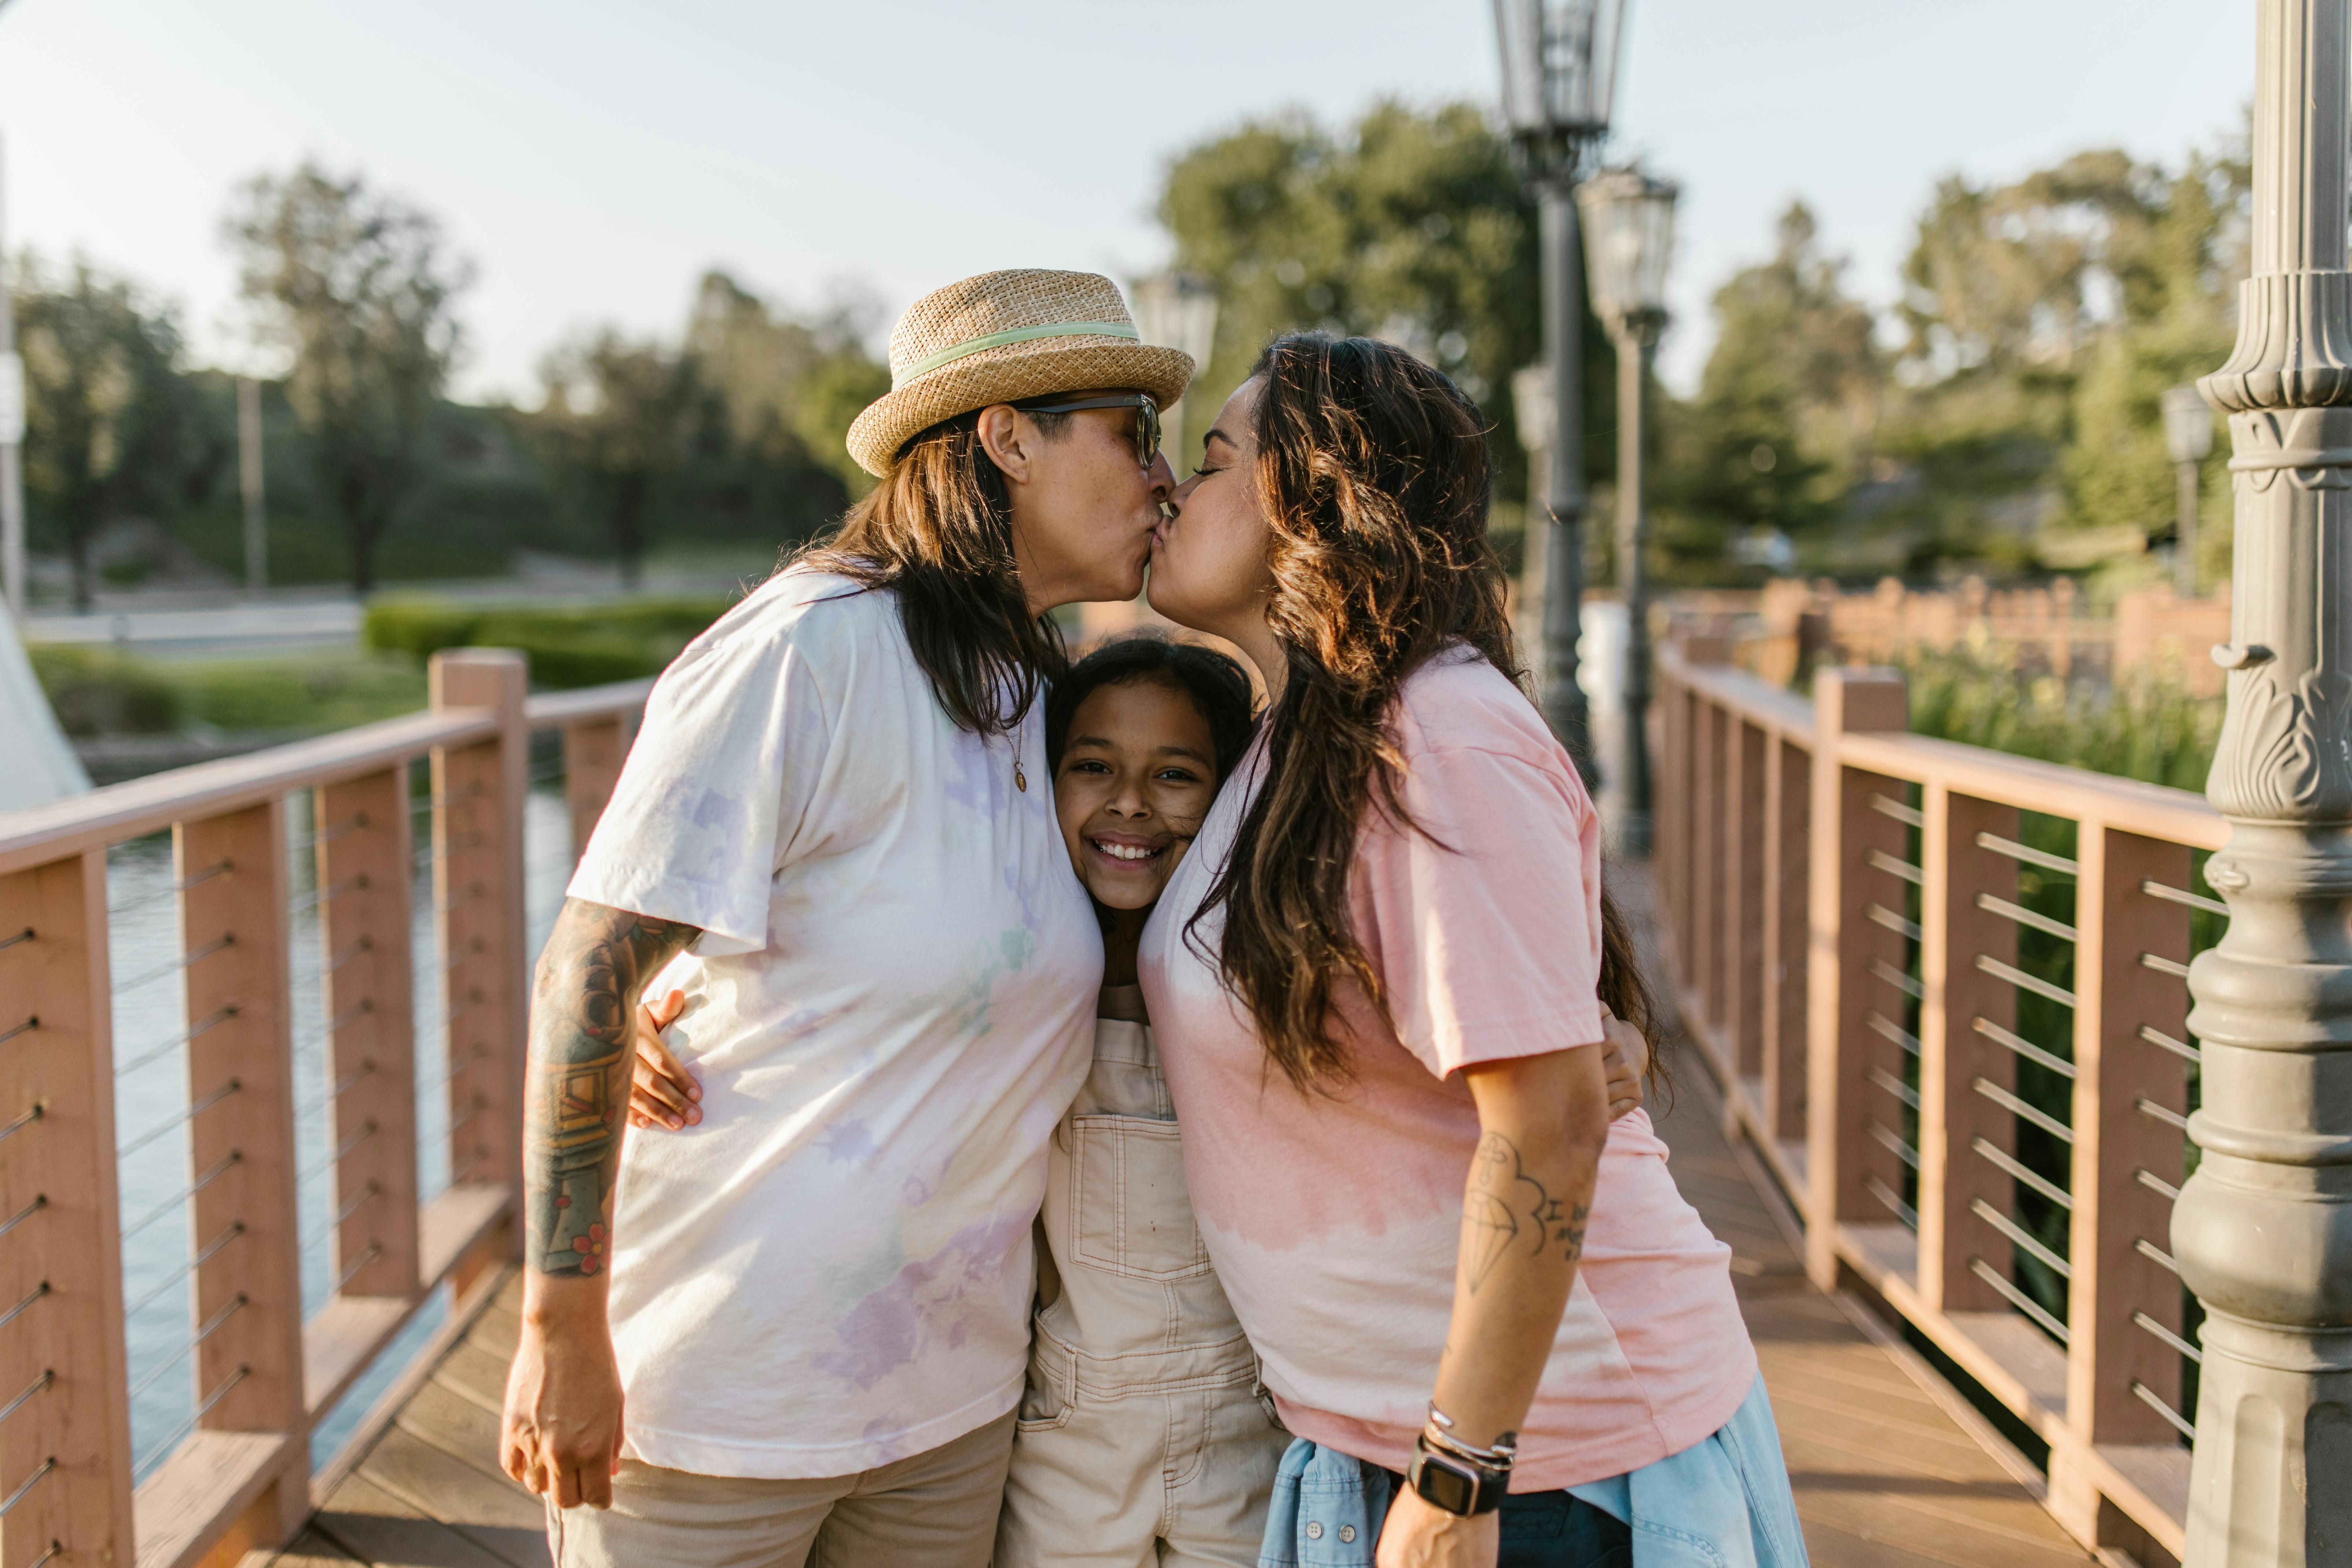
<point>1441,1485</point>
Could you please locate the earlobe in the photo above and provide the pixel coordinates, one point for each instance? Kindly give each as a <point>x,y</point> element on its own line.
<point>1000,437</point>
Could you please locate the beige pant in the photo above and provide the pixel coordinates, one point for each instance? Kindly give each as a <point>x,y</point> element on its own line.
<point>937,1509</point>
<point>1149,1461</point>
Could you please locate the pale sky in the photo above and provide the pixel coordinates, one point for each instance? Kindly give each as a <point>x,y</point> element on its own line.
<point>593,157</point>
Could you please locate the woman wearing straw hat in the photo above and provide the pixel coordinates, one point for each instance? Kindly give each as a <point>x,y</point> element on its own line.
<point>837,833</point>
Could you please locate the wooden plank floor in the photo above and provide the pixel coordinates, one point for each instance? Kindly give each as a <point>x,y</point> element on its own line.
<point>430,1493</point>
<point>1886,1475</point>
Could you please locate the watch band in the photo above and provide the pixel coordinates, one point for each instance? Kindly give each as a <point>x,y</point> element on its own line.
<point>1456,1485</point>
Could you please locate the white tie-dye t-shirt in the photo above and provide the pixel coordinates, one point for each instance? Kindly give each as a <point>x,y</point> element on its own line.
<point>889,1009</point>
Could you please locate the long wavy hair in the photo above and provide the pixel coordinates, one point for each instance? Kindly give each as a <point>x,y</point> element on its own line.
<point>1373,475</point>
<point>939,529</point>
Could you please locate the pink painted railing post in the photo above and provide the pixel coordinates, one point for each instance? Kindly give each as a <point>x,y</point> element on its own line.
<point>1963,1001</point>
<point>1850,950</point>
<point>364,868</point>
<point>1743,907</point>
<point>479,792</point>
<point>594,750</point>
<point>65,1455</point>
<point>1704,919</point>
<point>247,1369</point>
<point>2131,1088</point>
<point>1788,862</point>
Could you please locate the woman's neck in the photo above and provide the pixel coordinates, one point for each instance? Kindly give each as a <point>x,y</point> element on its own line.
<point>1122,938</point>
<point>1263,648</point>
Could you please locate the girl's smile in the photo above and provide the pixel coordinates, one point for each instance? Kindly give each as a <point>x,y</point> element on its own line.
<point>1138,773</point>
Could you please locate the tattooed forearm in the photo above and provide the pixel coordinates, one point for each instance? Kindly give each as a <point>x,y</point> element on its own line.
<point>584,997</point>
<point>1507,1208</point>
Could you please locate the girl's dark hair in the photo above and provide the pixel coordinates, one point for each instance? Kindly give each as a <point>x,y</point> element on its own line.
<point>1217,684</point>
<point>939,529</point>
<point>1372,472</point>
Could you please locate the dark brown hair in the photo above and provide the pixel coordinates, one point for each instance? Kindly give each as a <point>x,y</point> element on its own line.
<point>1374,474</point>
<point>939,529</point>
<point>1213,682</point>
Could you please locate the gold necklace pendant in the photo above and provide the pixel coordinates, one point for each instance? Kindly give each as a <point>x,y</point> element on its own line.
<point>1020,778</point>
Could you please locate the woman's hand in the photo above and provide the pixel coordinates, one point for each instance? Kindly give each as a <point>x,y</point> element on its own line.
<point>560,1432</point>
<point>1419,1536</point>
<point>662,1093</point>
<point>1626,1062</point>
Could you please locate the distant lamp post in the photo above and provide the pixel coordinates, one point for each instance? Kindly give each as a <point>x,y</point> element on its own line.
<point>1177,311</point>
<point>2187,435</point>
<point>1630,239</point>
<point>1559,70</point>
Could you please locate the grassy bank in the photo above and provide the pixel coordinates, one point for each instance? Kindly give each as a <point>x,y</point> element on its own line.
<point>583,646</point>
<point>100,691</point>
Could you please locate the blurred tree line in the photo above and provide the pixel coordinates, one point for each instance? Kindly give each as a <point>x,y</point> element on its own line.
<point>730,433</point>
<point>2002,417</point>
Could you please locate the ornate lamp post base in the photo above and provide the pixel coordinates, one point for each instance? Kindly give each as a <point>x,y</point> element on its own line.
<point>2262,1231</point>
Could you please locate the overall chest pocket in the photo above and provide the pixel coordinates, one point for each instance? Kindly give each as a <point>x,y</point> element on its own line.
<point>1129,1208</point>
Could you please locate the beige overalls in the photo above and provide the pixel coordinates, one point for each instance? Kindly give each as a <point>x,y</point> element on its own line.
<point>1144,1436</point>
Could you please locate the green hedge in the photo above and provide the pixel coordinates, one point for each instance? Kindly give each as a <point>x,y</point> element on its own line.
<point>98,691</point>
<point>583,646</point>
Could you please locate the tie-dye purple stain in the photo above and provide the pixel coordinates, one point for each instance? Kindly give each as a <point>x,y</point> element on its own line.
<point>887,1330</point>
<point>979,774</point>
<point>849,1144</point>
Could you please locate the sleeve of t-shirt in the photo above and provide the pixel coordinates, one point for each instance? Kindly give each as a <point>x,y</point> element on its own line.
<point>1488,923</point>
<point>707,807</point>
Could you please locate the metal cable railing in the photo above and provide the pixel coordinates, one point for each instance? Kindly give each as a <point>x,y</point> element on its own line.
<point>2013,1041</point>
<point>179,1120</point>
<point>1883,1025</point>
<point>171,1439</point>
<point>172,1204</point>
<point>203,1256</point>
<point>2031,856</point>
<point>218,1017</point>
<point>204,1331</point>
<point>225,940</point>
<point>2024,982</point>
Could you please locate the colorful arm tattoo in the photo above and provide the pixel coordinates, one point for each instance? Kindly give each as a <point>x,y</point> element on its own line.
<point>596,963</point>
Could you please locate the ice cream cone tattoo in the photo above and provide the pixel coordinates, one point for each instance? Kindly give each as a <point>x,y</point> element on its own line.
<point>1506,1207</point>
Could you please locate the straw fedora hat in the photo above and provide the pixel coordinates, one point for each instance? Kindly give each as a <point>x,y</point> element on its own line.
<point>1002,337</point>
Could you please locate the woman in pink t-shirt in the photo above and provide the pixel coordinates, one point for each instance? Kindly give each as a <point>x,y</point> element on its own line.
<point>1375,980</point>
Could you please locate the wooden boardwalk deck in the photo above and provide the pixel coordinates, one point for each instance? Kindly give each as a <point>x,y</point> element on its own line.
<point>1890,1470</point>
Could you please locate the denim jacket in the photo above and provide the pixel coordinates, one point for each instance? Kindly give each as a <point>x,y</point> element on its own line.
<point>1723,1502</point>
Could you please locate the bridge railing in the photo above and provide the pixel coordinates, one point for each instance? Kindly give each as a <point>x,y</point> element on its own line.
<point>1946,990</point>
<point>336,953</point>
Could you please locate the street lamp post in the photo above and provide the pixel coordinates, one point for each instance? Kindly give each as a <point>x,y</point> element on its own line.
<point>1559,68</point>
<point>2262,1230</point>
<point>2188,437</point>
<point>1177,311</point>
<point>1629,233</point>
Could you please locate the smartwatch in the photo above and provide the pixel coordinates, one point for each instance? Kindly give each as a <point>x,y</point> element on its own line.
<point>1456,1485</point>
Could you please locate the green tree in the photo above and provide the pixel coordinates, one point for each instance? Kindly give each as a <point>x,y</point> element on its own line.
<point>1787,411</point>
<point>358,288</point>
<point>617,427</point>
<point>2176,283</point>
<point>111,424</point>
<point>1411,226</point>
<point>790,385</point>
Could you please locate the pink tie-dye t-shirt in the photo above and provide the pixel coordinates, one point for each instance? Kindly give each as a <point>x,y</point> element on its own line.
<point>1335,1220</point>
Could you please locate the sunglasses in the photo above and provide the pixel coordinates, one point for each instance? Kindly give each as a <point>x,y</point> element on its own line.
<point>1147,418</point>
